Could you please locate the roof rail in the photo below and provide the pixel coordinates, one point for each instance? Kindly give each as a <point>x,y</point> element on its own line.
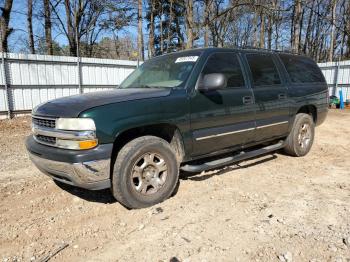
<point>269,50</point>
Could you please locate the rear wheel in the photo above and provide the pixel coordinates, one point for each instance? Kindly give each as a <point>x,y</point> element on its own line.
<point>145,172</point>
<point>301,138</point>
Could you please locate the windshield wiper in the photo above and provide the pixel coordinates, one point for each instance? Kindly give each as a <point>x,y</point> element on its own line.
<point>140,86</point>
<point>146,86</point>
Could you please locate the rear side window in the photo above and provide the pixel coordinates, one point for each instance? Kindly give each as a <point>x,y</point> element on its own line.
<point>302,69</point>
<point>227,64</point>
<point>263,69</point>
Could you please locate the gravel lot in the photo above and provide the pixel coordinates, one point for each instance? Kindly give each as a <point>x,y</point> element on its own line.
<point>273,208</point>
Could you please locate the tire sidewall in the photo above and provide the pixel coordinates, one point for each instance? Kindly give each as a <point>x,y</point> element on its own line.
<point>303,119</point>
<point>122,177</point>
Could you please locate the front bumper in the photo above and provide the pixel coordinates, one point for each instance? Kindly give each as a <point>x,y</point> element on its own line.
<point>88,169</point>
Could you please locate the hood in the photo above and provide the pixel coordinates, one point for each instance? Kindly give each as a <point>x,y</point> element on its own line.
<point>72,106</point>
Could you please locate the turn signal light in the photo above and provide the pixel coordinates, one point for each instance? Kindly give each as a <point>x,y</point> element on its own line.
<point>87,144</point>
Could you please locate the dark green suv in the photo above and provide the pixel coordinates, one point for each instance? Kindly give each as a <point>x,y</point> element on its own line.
<point>193,110</point>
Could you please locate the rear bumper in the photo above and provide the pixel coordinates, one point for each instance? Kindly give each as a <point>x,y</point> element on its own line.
<point>88,169</point>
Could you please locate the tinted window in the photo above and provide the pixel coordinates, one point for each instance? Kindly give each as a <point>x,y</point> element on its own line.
<point>227,64</point>
<point>302,69</point>
<point>263,70</point>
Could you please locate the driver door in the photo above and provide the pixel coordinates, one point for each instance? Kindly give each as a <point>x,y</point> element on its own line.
<point>223,118</point>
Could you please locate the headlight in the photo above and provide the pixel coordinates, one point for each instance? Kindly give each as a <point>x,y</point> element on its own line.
<point>85,139</point>
<point>75,124</point>
<point>68,133</point>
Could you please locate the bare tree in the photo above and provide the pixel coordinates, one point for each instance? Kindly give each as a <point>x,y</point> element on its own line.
<point>170,21</point>
<point>207,5</point>
<point>30,26</point>
<point>297,18</point>
<point>347,29</point>
<point>48,36</point>
<point>4,23</point>
<point>255,28</point>
<point>82,18</point>
<point>189,23</point>
<point>161,28</point>
<point>140,47</point>
<point>309,27</point>
<point>262,29</point>
<point>151,29</point>
<point>333,7</point>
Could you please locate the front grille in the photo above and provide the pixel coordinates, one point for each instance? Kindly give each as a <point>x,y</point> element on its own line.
<point>44,122</point>
<point>46,139</point>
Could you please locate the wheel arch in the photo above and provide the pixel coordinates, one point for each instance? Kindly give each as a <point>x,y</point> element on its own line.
<point>169,132</point>
<point>309,109</point>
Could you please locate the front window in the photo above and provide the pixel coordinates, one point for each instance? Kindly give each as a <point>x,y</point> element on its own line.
<point>166,71</point>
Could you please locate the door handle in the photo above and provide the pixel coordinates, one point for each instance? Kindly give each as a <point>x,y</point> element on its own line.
<point>247,100</point>
<point>282,96</point>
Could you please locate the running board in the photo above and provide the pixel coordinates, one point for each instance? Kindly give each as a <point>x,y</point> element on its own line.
<point>232,159</point>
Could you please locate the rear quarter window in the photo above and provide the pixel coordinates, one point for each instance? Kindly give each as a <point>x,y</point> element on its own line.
<point>302,69</point>
<point>263,69</point>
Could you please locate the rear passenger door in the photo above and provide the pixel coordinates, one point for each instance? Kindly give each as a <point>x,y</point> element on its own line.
<point>271,96</point>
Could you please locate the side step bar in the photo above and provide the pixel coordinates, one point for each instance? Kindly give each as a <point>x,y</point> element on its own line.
<point>232,159</point>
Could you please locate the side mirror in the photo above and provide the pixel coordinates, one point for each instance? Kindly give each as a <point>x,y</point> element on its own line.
<point>212,82</point>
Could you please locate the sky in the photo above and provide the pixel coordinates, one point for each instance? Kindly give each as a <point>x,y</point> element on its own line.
<point>18,39</point>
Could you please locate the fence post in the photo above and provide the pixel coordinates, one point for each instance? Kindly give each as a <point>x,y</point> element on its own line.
<point>5,78</point>
<point>78,61</point>
<point>79,75</point>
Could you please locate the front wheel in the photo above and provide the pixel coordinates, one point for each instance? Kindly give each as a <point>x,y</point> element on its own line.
<point>145,172</point>
<point>301,138</point>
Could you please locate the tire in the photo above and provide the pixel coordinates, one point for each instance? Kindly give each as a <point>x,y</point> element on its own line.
<point>301,137</point>
<point>145,172</point>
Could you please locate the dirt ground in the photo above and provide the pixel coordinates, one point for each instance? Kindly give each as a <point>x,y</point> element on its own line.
<point>273,208</point>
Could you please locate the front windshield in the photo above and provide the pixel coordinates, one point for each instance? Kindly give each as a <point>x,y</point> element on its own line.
<point>164,71</point>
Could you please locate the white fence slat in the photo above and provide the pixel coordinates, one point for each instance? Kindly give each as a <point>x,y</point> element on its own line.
<point>35,79</point>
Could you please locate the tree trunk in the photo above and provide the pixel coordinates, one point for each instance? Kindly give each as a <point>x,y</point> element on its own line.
<point>140,46</point>
<point>48,37</point>
<point>269,31</point>
<point>4,23</point>
<point>206,23</point>
<point>30,26</point>
<point>309,28</point>
<point>151,31</point>
<point>170,21</point>
<point>262,29</point>
<point>347,26</point>
<point>277,25</point>
<point>189,23</point>
<point>255,28</point>
<point>70,30</point>
<point>300,29</point>
<point>161,30</point>
<point>332,38</point>
<point>296,26</point>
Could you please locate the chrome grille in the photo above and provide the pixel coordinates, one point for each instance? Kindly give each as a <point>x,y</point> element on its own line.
<point>44,122</point>
<point>46,139</point>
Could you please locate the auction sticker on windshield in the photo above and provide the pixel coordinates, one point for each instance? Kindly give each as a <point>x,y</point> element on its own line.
<point>186,59</point>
